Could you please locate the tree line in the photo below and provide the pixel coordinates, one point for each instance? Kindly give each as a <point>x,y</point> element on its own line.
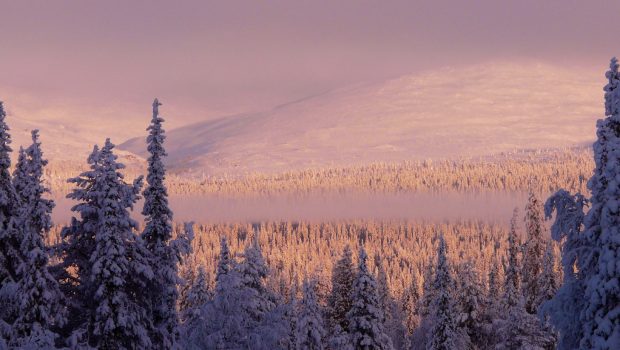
<point>542,171</point>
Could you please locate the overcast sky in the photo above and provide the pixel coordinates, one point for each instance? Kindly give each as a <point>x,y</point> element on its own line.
<point>210,57</point>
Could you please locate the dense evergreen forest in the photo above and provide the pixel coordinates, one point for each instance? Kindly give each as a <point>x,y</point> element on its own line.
<point>103,281</point>
<point>541,171</point>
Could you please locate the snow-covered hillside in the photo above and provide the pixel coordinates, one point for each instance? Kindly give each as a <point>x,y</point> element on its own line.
<point>446,113</point>
<point>69,130</point>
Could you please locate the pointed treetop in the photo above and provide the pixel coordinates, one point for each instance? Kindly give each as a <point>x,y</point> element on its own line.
<point>362,257</point>
<point>34,150</point>
<point>3,116</point>
<point>613,64</point>
<point>94,152</point>
<point>35,135</point>
<point>255,243</point>
<point>5,141</point>
<point>612,107</point>
<point>106,151</point>
<point>156,105</point>
<point>442,245</point>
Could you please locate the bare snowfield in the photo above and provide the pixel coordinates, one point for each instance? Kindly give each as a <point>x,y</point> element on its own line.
<point>480,110</point>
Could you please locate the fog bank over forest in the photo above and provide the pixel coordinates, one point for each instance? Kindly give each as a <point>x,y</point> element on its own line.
<point>492,207</point>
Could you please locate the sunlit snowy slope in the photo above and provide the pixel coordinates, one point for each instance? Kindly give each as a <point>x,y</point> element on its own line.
<point>68,130</point>
<point>446,113</point>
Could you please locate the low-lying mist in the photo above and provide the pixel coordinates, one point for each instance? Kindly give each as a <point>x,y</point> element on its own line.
<point>493,207</point>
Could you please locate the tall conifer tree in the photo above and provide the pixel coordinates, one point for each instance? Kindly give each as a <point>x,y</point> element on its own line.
<point>533,254</point>
<point>40,302</point>
<point>567,305</point>
<point>444,329</point>
<point>9,243</point>
<point>601,267</point>
<point>366,320</point>
<point>512,281</point>
<point>111,261</point>
<point>339,301</point>
<point>8,197</point>
<point>310,332</point>
<point>157,236</point>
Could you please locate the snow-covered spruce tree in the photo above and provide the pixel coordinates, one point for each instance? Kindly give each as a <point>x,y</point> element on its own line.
<point>224,266</point>
<point>340,339</point>
<point>548,282</point>
<point>310,332</point>
<point>242,314</point>
<point>118,316</point>
<point>516,328</point>
<point>366,326</point>
<point>410,300</point>
<point>20,174</point>
<point>9,243</point>
<point>274,331</point>
<point>187,272</point>
<point>444,334</point>
<point>11,260</point>
<point>566,307</point>
<point>601,318</point>
<point>522,330</point>
<point>8,197</point>
<point>157,236</point>
<point>256,300</point>
<point>512,280</point>
<point>494,298</point>
<point>40,301</point>
<point>221,319</point>
<point>28,184</point>
<point>383,291</point>
<point>471,305</point>
<point>28,191</point>
<point>393,318</point>
<point>428,292</point>
<point>584,310</point>
<point>322,275</point>
<point>395,326</point>
<point>10,238</point>
<point>78,245</point>
<point>293,306</point>
<point>533,254</point>
<point>494,287</point>
<point>198,295</point>
<point>266,320</point>
<point>339,301</point>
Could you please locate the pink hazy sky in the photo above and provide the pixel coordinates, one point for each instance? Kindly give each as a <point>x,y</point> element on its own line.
<point>215,57</point>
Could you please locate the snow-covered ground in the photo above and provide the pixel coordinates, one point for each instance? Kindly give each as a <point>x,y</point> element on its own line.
<point>68,129</point>
<point>451,112</point>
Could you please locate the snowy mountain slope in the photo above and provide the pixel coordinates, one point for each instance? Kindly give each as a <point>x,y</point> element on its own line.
<point>447,113</point>
<point>68,130</point>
